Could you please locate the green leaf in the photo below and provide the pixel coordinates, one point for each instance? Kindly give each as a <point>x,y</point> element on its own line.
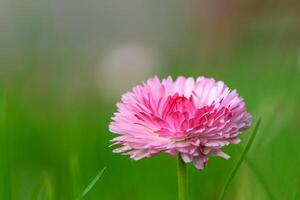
<point>238,164</point>
<point>91,184</point>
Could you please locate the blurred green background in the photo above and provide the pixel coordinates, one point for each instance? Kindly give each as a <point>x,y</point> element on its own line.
<point>65,63</point>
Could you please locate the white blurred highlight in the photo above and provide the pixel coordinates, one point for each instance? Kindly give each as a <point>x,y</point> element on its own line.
<point>124,66</point>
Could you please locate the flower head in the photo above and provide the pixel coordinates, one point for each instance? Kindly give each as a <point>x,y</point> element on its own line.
<point>193,118</point>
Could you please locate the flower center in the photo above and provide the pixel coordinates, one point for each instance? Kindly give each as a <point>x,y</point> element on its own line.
<point>178,104</point>
<point>182,119</point>
<point>176,114</point>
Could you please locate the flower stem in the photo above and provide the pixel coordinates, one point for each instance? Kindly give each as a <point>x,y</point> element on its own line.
<point>182,179</point>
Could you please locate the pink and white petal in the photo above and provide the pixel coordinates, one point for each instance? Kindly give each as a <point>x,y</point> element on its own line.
<point>186,158</point>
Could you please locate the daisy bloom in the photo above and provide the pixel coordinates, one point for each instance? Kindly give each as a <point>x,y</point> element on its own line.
<point>186,117</point>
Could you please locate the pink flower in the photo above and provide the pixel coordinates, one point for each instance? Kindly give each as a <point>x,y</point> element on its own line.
<point>192,118</point>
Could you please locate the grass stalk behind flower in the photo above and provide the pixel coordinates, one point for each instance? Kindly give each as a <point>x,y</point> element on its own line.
<point>259,177</point>
<point>243,156</point>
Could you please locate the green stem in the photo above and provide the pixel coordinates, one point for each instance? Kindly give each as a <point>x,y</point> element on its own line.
<point>182,179</point>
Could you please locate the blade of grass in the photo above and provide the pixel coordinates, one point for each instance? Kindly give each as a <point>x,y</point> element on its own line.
<point>5,183</point>
<point>91,184</point>
<point>74,168</point>
<point>259,177</point>
<point>238,164</point>
<point>49,188</point>
<point>295,194</point>
<point>45,189</point>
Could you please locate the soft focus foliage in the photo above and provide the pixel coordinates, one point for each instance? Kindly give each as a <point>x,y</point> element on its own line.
<point>54,111</point>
